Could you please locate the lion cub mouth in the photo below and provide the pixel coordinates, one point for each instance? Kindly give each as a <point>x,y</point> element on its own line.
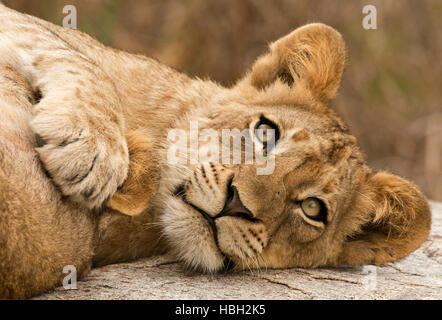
<point>233,207</point>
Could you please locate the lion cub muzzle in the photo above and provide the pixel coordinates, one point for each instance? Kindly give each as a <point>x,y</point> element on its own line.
<point>237,233</point>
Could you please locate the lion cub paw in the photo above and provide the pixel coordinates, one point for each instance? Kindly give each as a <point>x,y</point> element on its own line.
<point>85,157</point>
<point>141,185</point>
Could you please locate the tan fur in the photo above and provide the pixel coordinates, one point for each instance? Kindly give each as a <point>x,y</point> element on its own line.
<point>125,106</point>
<point>312,56</point>
<point>39,232</point>
<point>143,171</point>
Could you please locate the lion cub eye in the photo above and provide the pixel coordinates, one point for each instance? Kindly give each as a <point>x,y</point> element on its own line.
<point>266,131</point>
<point>314,209</point>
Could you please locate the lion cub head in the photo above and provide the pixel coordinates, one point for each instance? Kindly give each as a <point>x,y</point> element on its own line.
<point>321,205</point>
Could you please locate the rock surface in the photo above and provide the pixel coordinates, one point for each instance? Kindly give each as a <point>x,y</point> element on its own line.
<point>419,276</point>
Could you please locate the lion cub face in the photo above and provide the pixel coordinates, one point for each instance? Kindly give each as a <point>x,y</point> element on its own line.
<point>320,205</point>
<point>229,214</point>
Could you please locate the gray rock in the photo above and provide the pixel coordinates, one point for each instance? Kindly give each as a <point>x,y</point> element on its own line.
<point>419,276</point>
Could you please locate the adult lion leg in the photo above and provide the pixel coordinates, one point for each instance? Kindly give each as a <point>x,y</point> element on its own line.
<point>39,232</point>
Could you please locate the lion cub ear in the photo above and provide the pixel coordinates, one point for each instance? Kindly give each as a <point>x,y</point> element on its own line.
<point>141,185</point>
<point>394,218</point>
<point>312,56</point>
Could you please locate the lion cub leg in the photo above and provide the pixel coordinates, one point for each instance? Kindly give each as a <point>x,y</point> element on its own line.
<point>135,233</point>
<point>78,116</point>
<point>141,185</point>
<point>40,234</point>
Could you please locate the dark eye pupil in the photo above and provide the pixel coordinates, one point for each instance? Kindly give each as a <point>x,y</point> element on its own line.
<point>263,133</point>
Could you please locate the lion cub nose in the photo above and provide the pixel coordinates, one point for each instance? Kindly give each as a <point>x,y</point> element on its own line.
<point>234,206</point>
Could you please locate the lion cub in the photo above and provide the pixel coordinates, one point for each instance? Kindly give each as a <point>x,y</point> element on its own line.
<point>100,123</point>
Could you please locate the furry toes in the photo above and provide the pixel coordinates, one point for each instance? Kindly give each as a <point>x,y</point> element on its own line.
<point>87,162</point>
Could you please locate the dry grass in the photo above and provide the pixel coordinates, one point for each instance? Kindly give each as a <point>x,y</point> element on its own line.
<point>391,94</point>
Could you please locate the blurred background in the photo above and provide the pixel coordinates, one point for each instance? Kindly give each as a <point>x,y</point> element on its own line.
<point>391,92</point>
